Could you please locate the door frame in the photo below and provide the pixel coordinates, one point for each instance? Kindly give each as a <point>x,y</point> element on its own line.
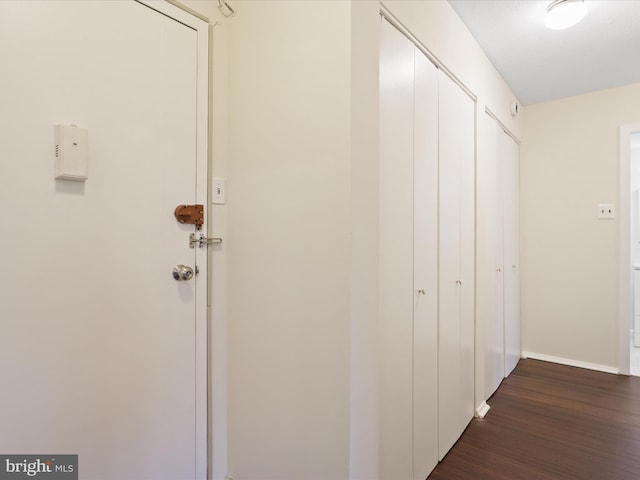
<point>625,310</point>
<point>201,345</point>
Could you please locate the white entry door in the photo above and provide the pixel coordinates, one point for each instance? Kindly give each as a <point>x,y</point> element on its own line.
<point>102,351</point>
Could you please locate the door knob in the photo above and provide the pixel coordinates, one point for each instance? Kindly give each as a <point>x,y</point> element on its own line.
<point>421,292</point>
<point>182,273</point>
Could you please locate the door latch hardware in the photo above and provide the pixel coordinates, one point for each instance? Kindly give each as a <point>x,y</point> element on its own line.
<point>190,214</point>
<point>182,273</point>
<point>202,240</point>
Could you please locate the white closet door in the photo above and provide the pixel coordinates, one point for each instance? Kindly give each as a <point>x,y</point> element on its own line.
<point>425,258</point>
<point>489,268</point>
<point>498,359</point>
<point>426,247</point>
<point>396,299</point>
<point>456,255</point>
<point>465,123</point>
<point>511,188</point>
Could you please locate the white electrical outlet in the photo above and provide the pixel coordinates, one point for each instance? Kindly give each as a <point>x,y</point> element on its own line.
<point>606,211</point>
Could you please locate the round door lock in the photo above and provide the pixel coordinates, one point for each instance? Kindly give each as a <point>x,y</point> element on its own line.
<point>182,273</point>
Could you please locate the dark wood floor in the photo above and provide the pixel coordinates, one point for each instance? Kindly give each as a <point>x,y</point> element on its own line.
<point>552,422</point>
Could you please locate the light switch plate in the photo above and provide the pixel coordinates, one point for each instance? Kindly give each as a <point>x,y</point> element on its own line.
<point>219,191</point>
<point>606,211</point>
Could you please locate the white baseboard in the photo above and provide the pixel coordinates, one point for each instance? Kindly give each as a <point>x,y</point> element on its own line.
<point>482,410</point>
<point>570,362</point>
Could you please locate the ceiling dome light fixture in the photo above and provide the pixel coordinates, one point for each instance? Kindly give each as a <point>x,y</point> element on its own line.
<point>563,14</point>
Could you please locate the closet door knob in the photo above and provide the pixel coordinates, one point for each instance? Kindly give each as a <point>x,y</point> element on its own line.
<point>421,292</point>
<point>458,282</point>
<point>499,270</point>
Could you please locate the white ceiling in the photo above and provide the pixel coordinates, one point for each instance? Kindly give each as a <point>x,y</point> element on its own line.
<point>539,64</point>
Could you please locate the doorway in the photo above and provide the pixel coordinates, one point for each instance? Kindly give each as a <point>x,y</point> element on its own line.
<point>634,224</point>
<point>629,256</point>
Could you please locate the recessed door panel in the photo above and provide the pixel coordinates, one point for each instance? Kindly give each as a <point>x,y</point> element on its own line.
<point>456,267</point>
<point>425,270</point>
<point>494,349</point>
<point>511,166</point>
<point>396,299</point>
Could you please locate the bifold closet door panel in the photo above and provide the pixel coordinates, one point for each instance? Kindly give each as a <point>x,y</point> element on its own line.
<point>456,269</point>
<point>396,299</point>
<point>494,365</point>
<point>425,270</point>
<point>511,166</point>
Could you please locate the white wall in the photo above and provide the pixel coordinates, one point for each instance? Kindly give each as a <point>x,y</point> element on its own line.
<point>363,336</point>
<point>569,257</point>
<point>288,241</point>
<point>364,386</point>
